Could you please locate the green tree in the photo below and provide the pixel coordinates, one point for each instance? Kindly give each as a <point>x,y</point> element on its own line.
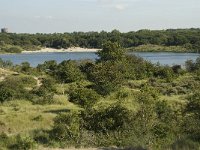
<point>111,52</point>
<point>25,67</point>
<point>67,127</point>
<point>192,117</point>
<point>107,76</point>
<point>69,71</point>
<point>5,94</point>
<point>83,96</point>
<point>112,118</point>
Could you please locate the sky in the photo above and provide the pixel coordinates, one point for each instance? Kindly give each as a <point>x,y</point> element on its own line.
<point>50,16</point>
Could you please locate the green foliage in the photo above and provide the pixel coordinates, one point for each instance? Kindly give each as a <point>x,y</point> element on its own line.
<point>48,66</point>
<point>164,73</point>
<point>25,67</point>
<point>14,49</point>
<point>193,105</point>
<point>15,87</point>
<point>41,136</point>
<point>68,71</point>
<point>144,114</point>
<point>5,64</point>
<point>23,143</point>
<point>5,94</point>
<point>83,96</point>
<point>137,68</point>
<point>158,48</point>
<point>107,76</point>
<point>190,66</point>
<point>111,52</point>
<point>185,144</point>
<point>192,119</point>
<point>193,66</point>
<point>67,127</point>
<point>4,140</point>
<point>45,92</point>
<point>177,40</point>
<point>112,118</point>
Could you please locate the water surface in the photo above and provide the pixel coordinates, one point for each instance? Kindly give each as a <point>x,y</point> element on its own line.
<point>164,58</point>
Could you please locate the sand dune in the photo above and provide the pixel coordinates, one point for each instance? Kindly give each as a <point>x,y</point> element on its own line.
<point>72,49</point>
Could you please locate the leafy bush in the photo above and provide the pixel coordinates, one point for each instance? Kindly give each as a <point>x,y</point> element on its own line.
<point>69,71</point>
<point>5,64</point>
<point>192,117</point>
<point>23,143</point>
<point>107,76</point>
<point>4,140</point>
<point>83,96</point>
<point>5,94</point>
<point>67,127</point>
<point>41,136</point>
<point>14,49</point>
<point>104,120</point>
<point>14,87</point>
<point>45,92</point>
<point>184,144</point>
<point>111,52</point>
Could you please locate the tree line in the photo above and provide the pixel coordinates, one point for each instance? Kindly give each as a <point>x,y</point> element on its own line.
<point>185,38</point>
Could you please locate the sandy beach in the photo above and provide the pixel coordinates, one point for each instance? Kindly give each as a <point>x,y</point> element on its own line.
<point>72,49</point>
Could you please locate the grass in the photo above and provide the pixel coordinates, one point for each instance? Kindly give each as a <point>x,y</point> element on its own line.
<point>21,116</point>
<point>174,98</point>
<point>158,48</point>
<point>7,48</point>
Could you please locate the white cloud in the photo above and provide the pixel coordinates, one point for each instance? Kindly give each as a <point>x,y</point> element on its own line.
<point>37,17</point>
<point>120,7</point>
<point>49,17</point>
<point>44,17</point>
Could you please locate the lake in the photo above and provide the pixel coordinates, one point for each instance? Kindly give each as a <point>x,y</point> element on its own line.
<point>164,58</point>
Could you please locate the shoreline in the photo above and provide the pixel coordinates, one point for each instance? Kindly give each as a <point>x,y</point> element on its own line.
<point>53,50</point>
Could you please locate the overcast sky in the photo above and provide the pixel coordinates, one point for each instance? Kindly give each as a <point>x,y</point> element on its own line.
<point>46,16</point>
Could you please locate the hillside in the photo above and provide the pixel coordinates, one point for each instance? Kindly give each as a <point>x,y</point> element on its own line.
<point>118,102</point>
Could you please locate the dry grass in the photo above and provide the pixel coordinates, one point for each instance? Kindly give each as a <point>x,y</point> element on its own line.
<point>21,116</point>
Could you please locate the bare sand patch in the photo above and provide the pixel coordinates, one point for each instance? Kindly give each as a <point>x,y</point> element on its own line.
<point>72,49</point>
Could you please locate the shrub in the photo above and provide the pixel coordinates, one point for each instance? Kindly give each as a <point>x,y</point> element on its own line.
<point>5,94</point>
<point>41,136</point>
<point>192,116</point>
<point>44,94</point>
<point>14,49</point>
<point>107,76</point>
<point>5,64</point>
<point>67,127</point>
<point>69,71</point>
<point>83,97</point>
<point>104,120</point>
<point>23,143</point>
<point>4,140</point>
<point>13,87</point>
<point>184,144</point>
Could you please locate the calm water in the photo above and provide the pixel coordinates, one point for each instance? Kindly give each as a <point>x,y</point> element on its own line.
<point>164,58</point>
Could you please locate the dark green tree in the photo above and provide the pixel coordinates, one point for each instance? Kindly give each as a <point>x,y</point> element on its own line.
<point>111,52</point>
<point>69,71</point>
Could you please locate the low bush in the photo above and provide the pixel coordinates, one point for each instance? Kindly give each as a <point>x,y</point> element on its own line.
<point>84,97</point>
<point>23,143</point>
<point>67,127</point>
<point>104,120</point>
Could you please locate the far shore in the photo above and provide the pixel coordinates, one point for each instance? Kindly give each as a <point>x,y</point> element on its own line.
<point>72,49</point>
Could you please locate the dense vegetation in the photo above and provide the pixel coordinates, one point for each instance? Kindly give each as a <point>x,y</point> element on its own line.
<point>177,40</point>
<point>118,100</point>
